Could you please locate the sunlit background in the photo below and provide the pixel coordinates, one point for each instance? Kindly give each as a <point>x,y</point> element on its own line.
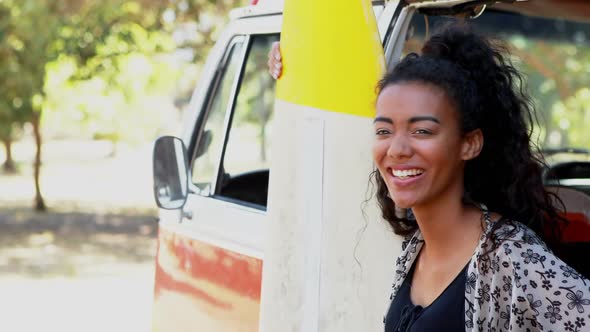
<point>85,88</point>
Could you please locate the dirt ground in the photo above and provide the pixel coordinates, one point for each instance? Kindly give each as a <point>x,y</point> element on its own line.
<point>87,263</point>
<point>73,244</point>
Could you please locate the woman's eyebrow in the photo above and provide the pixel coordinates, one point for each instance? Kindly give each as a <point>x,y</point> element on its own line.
<point>423,118</point>
<point>383,119</point>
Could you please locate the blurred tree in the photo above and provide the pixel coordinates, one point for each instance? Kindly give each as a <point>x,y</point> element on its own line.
<point>28,31</point>
<point>8,67</point>
<point>557,77</point>
<point>204,18</point>
<point>98,37</point>
<point>34,33</point>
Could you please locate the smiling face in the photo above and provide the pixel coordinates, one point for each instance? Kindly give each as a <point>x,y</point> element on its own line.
<point>419,149</point>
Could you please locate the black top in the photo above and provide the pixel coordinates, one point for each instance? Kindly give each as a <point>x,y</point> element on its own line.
<point>445,313</point>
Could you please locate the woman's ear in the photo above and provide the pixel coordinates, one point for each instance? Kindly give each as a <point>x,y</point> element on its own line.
<point>472,144</point>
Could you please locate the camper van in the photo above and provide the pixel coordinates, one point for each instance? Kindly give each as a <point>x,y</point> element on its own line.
<point>267,223</point>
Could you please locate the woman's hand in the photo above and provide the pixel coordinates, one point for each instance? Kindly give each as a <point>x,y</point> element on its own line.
<point>275,65</point>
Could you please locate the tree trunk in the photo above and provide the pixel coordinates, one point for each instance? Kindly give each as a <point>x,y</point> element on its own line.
<point>39,202</point>
<point>263,142</point>
<point>114,151</point>
<point>9,165</point>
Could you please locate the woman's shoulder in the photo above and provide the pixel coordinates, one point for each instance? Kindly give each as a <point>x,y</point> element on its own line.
<point>505,247</point>
<point>512,236</point>
<point>411,240</point>
<point>518,272</point>
<point>411,245</point>
<point>522,254</point>
<point>516,245</point>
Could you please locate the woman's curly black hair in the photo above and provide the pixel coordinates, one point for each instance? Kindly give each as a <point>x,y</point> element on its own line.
<point>489,94</point>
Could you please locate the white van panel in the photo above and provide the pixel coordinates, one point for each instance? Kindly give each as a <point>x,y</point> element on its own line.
<point>223,224</point>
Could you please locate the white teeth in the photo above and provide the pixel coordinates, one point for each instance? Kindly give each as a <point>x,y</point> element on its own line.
<point>407,172</point>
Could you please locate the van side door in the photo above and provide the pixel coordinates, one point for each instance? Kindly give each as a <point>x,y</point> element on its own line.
<point>209,260</point>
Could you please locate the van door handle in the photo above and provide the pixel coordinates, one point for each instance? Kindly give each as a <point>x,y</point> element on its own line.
<point>188,214</point>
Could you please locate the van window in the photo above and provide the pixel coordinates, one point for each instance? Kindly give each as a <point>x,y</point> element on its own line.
<point>210,142</point>
<point>245,164</point>
<point>553,54</point>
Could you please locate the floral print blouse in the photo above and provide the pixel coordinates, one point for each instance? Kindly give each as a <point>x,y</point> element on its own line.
<point>520,286</point>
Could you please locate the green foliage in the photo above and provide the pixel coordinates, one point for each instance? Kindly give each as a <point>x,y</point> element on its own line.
<point>558,80</point>
<point>130,104</point>
<point>96,64</point>
<point>94,68</point>
<point>573,116</point>
<point>17,80</point>
<point>203,17</point>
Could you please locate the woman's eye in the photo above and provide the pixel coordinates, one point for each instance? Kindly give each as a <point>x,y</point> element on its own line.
<point>381,132</point>
<point>422,132</point>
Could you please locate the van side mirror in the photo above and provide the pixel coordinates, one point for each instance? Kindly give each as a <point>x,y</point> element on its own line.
<point>170,173</point>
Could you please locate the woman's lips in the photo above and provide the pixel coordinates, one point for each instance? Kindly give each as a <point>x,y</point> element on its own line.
<point>402,182</point>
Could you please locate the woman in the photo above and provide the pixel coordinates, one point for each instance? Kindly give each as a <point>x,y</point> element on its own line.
<point>452,145</point>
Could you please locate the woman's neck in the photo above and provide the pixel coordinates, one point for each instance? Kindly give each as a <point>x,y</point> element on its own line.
<point>448,226</point>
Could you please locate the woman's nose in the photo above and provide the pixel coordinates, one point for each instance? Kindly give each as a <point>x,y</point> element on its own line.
<point>399,148</point>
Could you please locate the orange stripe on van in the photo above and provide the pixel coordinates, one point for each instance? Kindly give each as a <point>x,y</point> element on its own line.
<point>199,284</point>
<point>225,268</point>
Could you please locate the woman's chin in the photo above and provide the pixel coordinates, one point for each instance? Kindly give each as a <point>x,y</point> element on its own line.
<point>403,204</point>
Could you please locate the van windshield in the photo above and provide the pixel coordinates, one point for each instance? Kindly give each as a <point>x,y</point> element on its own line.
<point>554,55</point>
